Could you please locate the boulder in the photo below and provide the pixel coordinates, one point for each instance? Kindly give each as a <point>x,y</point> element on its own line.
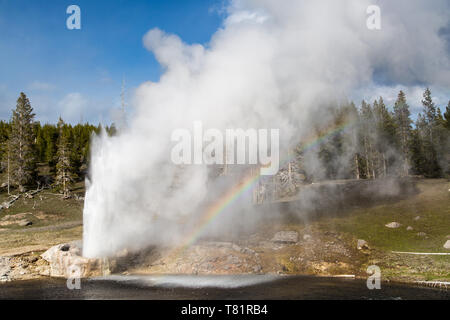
<point>409,228</point>
<point>362,244</point>
<point>447,244</point>
<point>417,218</point>
<point>66,261</point>
<point>24,223</point>
<point>393,225</point>
<point>285,237</point>
<point>5,269</point>
<point>4,265</point>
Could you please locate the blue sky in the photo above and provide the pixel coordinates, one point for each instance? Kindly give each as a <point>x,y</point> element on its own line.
<point>56,66</point>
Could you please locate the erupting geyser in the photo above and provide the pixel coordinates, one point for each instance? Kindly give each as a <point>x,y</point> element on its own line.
<point>271,65</point>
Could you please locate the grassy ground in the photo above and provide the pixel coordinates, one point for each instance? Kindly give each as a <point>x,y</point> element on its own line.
<point>432,205</point>
<point>54,221</point>
<point>336,233</point>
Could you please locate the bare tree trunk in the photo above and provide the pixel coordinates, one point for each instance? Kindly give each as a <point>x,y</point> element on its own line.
<point>64,184</point>
<point>8,171</point>
<point>372,163</point>
<point>384,165</point>
<point>374,176</point>
<point>406,167</point>
<point>405,154</point>
<point>367,159</point>
<point>357,166</point>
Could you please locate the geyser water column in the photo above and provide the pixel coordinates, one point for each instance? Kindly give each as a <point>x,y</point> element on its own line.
<point>130,208</point>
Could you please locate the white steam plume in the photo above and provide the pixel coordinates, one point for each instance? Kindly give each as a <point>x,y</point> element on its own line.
<point>272,64</point>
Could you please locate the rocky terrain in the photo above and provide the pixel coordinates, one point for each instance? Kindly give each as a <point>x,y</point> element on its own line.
<point>23,267</point>
<point>286,252</point>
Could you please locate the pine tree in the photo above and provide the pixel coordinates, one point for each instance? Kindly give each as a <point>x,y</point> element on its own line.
<point>5,131</point>
<point>368,133</point>
<point>81,146</point>
<point>21,144</point>
<point>50,136</point>
<point>352,139</point>
<point>441,144</point>
<point>4,135</point>
<point>64,168</point>
<point>403,122</point>
<point>416,151</point>
<point>430,134</point>
<point>40,143</point>
<point>447,116</point>
<point>429,109</point>
<point>386,139</point>
<point>111,130</point>
<point>446,123</point>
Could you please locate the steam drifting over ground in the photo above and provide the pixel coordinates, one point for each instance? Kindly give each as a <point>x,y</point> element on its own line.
<point>271,65</point>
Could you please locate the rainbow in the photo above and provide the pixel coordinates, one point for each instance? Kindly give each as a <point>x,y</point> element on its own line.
<point>219,206</point>
<point>247,184</point>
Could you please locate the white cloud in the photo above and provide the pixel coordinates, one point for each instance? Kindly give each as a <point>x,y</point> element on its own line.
<point>72,107</point>
<point>41,86</point>
<point>246,16</point>
<point>414,96</point>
